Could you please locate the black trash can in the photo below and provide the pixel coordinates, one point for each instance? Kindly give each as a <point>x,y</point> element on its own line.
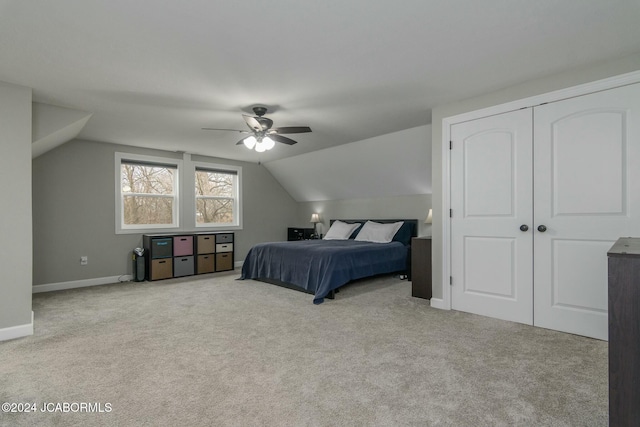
<point>139,272</point>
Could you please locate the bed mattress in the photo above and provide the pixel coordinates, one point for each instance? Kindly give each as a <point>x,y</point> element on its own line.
<point>320,266</point>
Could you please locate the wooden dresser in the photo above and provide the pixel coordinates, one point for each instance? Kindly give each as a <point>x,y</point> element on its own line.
<point>624,333</point>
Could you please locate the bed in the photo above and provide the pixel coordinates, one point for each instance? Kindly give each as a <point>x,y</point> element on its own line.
<point>320,267</point>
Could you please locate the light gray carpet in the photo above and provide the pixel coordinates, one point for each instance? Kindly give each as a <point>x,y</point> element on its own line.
<point>213,351</point>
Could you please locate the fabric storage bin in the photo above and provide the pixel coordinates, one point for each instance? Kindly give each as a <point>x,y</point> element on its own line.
<point>182,245</point>
<point>224,247</point>
<point>224,261</point>
<point>161,268</point>
<point>183,266</point>
<point>206,264</point>
<point>161,247</point>
<point>206,244</point>
<point>224,238</point>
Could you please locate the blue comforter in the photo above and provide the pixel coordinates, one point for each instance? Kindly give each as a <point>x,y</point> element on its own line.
<point>320,266</point>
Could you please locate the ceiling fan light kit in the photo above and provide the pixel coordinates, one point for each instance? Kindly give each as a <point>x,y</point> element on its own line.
<point>250,142</point>
<point>263,137</point>
<point>261,145</point>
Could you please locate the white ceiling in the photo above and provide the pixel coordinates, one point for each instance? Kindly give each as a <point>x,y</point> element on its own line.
<point>154,72</point>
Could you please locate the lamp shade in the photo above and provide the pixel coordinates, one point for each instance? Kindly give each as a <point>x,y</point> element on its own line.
<point>261,144</point>
<point>315,218</point>
<point>250,142</point>
<point>260,147</point>
<point>268,143</point>
<point>429,219</point>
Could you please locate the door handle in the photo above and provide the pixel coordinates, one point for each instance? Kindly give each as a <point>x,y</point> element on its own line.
<point>524,227</point>
<point>542,228</point>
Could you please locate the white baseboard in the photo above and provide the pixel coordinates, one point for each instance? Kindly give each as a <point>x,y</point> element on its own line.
<point>17,331</point>
<point>48,287</point>
<point>438,303</point>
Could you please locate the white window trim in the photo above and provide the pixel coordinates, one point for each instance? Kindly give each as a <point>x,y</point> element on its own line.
<point>122,228</point>
<point>237,205</point>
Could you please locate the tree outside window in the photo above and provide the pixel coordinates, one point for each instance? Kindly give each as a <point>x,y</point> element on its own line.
<point>155,194</point>
<point>148,194</point>
<point>215,197</point>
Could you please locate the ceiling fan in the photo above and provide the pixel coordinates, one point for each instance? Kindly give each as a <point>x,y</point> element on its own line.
<point>262,136</point>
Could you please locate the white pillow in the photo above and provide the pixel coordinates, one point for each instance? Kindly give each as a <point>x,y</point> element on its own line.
<point>340,230</point>
<point>378,233</point>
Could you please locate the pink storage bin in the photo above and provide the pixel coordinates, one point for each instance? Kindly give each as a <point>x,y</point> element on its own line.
<point>182,245</point>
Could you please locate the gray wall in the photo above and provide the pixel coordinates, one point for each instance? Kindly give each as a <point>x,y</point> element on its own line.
<point>15,214</point>
<point>528,89</point>
<point>396,207</point>
<point>74,211</point>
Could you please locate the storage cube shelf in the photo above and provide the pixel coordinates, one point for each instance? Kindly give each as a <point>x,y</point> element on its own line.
<point>186,254</point>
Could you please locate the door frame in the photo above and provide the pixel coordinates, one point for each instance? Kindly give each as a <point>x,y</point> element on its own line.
<point>532,101</point>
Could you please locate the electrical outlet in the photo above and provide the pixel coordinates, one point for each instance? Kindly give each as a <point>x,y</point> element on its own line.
<point>84,260</point>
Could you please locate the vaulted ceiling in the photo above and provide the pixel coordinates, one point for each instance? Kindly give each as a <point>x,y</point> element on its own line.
<point>153,73</point>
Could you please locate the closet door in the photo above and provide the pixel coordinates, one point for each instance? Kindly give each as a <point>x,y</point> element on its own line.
<point>491,226</point>
<point>587,195</point>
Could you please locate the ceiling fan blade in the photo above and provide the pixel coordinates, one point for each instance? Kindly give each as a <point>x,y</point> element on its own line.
<point>292,129</point>
<point>282,139</point>
<point>240,142</point>
<point>252,123</point>
<point>232,130</point>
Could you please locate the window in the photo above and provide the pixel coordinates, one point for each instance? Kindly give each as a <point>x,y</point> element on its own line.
<point>216,197</point>
<point>147,193</point>
<point>157,194</point>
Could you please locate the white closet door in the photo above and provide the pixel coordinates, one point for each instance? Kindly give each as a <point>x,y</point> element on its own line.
<point>587,195</point>
<point>491,198</point>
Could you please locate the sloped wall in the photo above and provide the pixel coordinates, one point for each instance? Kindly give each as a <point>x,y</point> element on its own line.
<point>396,164</point>
<point>388,176</point>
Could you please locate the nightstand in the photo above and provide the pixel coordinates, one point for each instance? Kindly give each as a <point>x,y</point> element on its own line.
<point>421,267</point>
<point>299,233</point>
